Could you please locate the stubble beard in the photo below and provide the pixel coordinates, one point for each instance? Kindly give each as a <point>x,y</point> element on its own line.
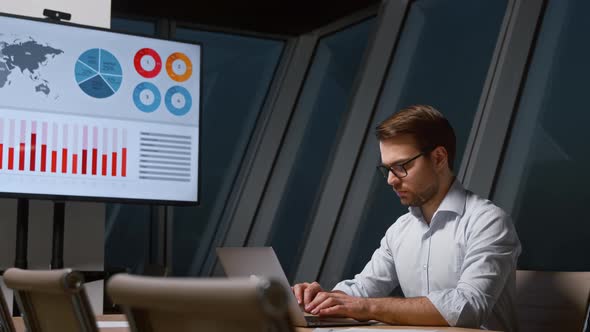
<point>421,198</point>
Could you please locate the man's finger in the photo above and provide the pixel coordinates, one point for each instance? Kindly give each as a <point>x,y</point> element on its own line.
<point>319,298</point>
<point>298,291</point>
<point>327,302</point>
<point>310,292</point>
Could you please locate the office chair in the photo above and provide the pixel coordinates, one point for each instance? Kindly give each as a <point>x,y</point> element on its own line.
<point>157,304</point>
<point>6,323</point>
<point>51,301</point>
<point>552,301</point>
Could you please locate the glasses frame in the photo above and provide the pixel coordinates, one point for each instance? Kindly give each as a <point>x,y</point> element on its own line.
<point>399,170</point>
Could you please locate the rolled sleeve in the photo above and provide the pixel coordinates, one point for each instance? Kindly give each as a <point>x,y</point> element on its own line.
<point>457,306</point>
<point>490,259</point>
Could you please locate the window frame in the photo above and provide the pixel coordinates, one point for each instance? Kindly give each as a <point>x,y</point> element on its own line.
<point>497,100</point>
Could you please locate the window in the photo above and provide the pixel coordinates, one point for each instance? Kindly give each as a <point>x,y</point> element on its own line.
<point>442,59</point>
<point>237,73</point>
<point>322,106</point>
<point>133,26</point>
<point>544,173</point>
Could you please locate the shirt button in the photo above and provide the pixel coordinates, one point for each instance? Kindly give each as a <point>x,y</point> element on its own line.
<point>424,266</point>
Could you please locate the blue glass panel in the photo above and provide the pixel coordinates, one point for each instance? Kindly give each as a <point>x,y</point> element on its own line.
<point>325,102</point>
<point>147,28</point>
<point>442,59</point>
<point>543,182</point>
<point>237,73</point>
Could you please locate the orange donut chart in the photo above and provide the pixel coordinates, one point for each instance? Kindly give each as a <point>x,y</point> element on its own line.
<point>188,64</point>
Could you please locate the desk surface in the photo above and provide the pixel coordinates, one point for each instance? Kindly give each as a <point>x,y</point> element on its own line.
<point>389,327</point>
<point>20,326</point>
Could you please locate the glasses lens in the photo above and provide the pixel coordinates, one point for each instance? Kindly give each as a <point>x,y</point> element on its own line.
<point>383,170</point>
<point>399,171</point>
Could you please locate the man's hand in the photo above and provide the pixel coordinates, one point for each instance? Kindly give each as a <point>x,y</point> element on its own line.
<point>317,301</point>
<point>339,304</point>
<point>391,310</point>
<point>306,292</point>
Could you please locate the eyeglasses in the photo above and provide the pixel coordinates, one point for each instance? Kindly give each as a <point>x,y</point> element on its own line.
<point>399,170</point>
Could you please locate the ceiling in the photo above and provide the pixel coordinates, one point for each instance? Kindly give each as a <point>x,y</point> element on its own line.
<point>283,17</point>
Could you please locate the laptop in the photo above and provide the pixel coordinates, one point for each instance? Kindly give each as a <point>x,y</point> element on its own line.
<point>262,261</point>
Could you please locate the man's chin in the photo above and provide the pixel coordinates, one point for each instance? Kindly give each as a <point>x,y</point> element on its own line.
<point>405,202</point>
<point>409,202</point>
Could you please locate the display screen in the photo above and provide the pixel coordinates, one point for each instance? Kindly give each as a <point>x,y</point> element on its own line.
<point>90,113</point>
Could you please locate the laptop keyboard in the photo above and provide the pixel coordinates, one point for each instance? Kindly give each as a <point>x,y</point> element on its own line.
<point>313,320</point>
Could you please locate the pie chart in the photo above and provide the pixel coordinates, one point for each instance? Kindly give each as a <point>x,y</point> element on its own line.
<point>98,73</point>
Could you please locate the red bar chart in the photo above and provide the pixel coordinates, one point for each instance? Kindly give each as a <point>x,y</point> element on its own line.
<point>53,147</point>
<point>44,147</point>
<point>75,154</point>
<point>21,150</point>
<point>11,145</point>
<point>33,145</point>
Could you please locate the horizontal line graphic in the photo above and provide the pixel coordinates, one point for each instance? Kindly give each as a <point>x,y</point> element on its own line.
<point>164,135</point>
<point>163,179</point>
<point>146,161</point>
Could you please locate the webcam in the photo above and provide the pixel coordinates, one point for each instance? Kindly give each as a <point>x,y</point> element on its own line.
<point>56,15</point>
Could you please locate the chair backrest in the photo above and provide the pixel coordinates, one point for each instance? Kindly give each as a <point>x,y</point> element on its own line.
<point>552,301</point>
<point>6,323</point>
<point>158,304</point>
<point>53,300</point>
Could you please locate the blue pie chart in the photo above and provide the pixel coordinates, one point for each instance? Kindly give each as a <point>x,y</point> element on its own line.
<point>98,73</point>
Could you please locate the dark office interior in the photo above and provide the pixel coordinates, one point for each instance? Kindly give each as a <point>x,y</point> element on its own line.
<point>291,94</point>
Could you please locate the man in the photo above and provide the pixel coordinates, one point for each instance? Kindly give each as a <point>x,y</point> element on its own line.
<point>453,255</point>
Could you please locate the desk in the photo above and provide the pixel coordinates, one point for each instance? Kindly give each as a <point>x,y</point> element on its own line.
<point>20,326</point>
<point>383,327</point>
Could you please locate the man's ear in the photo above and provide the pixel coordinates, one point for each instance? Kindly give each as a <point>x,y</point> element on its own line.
<point>440,157</point>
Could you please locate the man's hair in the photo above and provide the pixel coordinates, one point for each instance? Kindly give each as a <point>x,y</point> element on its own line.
<point>428,126</point>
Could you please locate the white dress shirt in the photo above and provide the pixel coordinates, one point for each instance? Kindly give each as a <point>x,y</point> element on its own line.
<point>464,262</point>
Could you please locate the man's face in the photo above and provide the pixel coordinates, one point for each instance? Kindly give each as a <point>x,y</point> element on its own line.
<point>421,183</point>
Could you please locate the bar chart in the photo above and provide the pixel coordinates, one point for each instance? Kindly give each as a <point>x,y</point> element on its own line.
<point>92,157</point>
<point>62,148</point>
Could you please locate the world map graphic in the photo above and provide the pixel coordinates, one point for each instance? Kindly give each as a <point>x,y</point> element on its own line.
<point>26,57</point>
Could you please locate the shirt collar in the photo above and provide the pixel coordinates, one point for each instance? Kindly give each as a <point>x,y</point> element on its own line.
<point>454,201</point>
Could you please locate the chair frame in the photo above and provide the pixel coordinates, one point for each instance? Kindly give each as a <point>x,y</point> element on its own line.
<point>5,316</point>
<point>271,298</point>
<point>72,284</point>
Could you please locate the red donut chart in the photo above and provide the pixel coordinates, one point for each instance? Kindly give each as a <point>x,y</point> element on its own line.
<point>153,60</point>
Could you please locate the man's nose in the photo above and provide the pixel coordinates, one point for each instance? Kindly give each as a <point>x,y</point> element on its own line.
<point>392,180</point>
